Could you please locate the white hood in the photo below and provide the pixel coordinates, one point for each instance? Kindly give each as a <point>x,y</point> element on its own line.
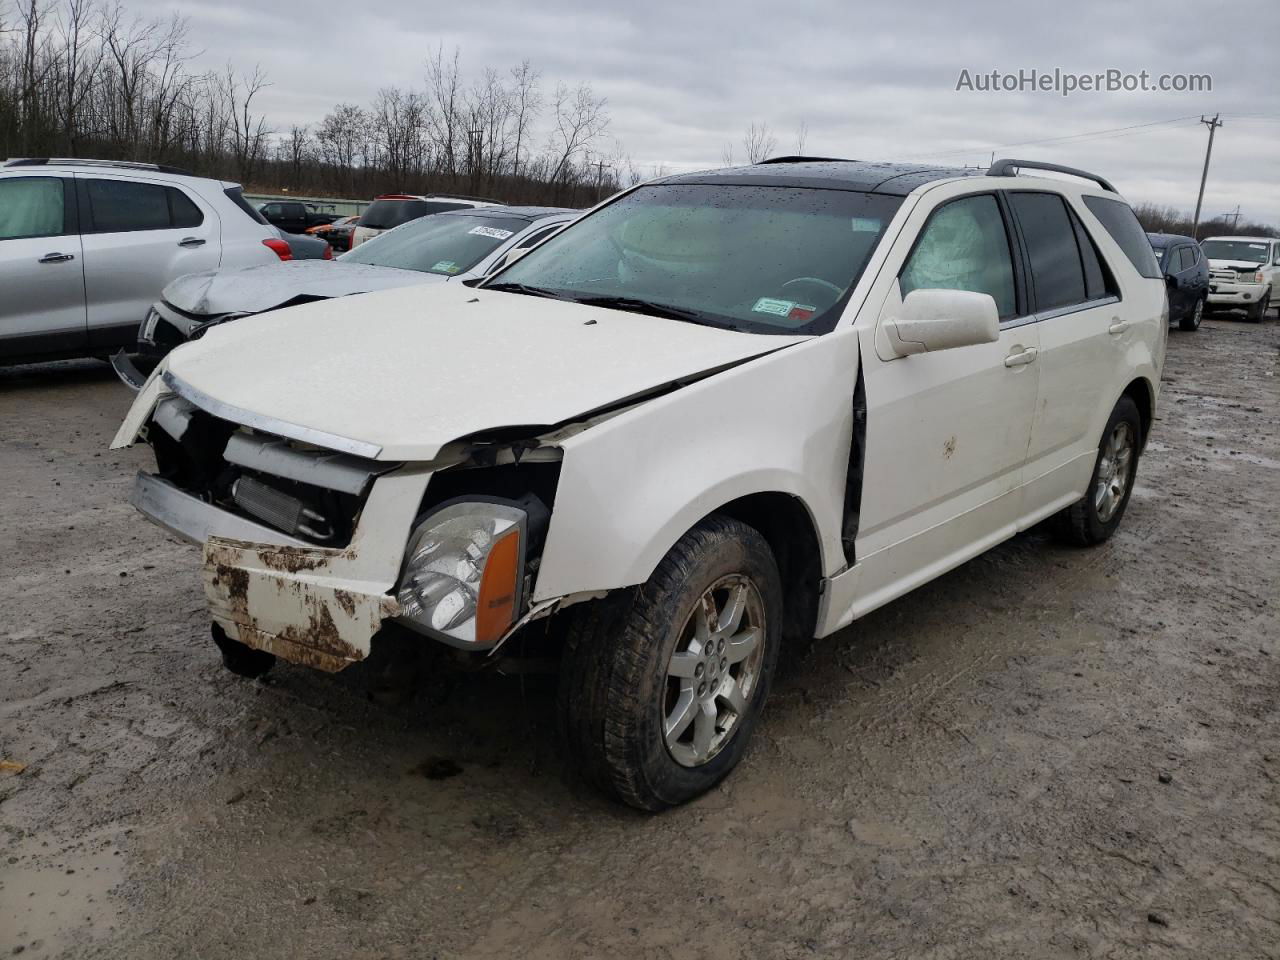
<point>409,370</point>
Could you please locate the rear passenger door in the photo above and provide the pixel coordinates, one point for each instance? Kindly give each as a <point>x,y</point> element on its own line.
<point>41,284</point>
<point>138,235</point>
<point>1083,340</point>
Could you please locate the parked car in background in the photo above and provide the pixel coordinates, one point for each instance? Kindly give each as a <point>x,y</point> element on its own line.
<point>722,412</point>
<point>294,216</point>
<point>393,209</point>
<point>456,246</point>
<point>336,234</point>
<point>1186,273</point>
<point>86,246</point>
<point>1242,273</point>
<point>304,247</point>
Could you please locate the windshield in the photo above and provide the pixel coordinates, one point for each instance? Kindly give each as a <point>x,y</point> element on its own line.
<point>385,214</point>
<point>759,259</point>
<point>1254,251</point>
<point>440,245</point>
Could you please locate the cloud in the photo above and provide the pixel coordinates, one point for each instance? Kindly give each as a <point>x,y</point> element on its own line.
<point>870,81</point>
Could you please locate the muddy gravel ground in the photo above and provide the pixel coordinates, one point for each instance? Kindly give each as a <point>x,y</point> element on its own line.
<point>1047,753</point>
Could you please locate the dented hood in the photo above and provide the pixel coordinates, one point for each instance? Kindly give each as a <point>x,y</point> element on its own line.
<point>404,372</point>
<point>255,289</point>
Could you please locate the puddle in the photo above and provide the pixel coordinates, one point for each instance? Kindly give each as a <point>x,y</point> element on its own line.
<point>55,899</point>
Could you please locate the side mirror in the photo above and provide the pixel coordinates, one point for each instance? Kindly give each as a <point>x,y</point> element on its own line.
<point>940,320</point>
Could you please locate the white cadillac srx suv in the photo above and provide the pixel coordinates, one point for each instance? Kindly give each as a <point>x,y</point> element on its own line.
<point>719,412</point>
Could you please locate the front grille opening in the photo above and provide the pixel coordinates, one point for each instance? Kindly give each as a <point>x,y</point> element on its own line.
<point>196,465</point>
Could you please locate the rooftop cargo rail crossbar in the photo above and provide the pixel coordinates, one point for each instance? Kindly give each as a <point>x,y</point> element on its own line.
<point>1009,168</point>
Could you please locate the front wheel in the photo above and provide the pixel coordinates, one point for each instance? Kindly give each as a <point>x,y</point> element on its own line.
<point>1092,519</point>
<point>1259,311</point>
<point>1192,320</point>
<point>662,684</point>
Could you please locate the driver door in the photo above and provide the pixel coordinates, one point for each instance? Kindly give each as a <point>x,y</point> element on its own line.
<point>947,431</point>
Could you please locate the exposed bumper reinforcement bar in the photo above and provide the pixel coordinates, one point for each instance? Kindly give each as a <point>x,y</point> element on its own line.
<point>194,520</point>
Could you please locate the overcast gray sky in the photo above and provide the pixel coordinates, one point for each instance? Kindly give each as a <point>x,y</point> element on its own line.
<point>875,82</point>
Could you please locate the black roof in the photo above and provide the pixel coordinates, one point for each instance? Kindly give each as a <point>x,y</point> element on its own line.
<point>896,179</point>
<point>510,213</point>
<point>1167,239</point>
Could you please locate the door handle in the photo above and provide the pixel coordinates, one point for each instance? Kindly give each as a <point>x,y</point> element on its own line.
<point>191,242</point>
<point>1118,326</point>
<point>1021,359</point>
<point>56,258</point>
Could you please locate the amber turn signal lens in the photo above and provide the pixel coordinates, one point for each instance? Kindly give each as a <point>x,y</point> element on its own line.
<point>496,604</point>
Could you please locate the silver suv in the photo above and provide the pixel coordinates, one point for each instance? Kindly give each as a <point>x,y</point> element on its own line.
<point>86,246</point>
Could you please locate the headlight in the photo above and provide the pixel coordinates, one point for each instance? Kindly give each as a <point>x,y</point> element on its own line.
<point>463,573</point>
<point>1259,277</point>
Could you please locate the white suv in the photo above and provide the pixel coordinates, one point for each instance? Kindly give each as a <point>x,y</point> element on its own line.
<point>86,247</point>
<point>721,412</point>
<point>1242,273</point>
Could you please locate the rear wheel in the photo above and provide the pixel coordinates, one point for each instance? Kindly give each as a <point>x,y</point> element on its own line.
<point>1192,320</point>
<point>663,684</point>
<point>1092,519</point>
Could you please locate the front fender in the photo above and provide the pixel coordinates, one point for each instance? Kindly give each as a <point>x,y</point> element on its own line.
<point>632,485</point>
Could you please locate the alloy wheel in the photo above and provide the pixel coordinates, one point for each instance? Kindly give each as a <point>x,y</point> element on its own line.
<point>1113,471</point>
<point>713,670</point>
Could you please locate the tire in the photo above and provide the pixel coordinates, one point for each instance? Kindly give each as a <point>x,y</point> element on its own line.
<point>1092,519</point>
<point>633,662</point>
<point>1191,321</point>
<point>1258,312</point>
<point>242,659</point>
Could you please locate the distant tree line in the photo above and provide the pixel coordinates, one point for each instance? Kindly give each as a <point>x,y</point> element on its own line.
<point>1158,219</point>
<point>81,78</point>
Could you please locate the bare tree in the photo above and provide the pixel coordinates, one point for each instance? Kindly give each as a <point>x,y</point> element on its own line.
<point>579,118</point>
<point>758,143</point>
<point>248,132</point>
<point>802,136</point>
<point>526,103</point>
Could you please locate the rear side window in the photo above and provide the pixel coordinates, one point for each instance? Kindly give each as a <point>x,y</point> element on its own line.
<point>964,246</point>
<point>1057,273</point>
<point>236,196</point>
<point>1122,223</point>
<point>123,206</point>
<point>1098,280</point>
<point>1188,258</point>
<point>183,211</point>
<point>31,207</point>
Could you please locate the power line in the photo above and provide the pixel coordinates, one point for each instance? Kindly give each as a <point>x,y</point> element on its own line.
<point>1076,137</point>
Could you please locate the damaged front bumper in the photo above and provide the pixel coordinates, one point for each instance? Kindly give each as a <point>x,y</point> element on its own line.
<point>284,600</point>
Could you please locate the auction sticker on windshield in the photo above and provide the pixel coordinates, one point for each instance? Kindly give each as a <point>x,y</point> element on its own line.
<point>496,233</point>
<point>444,266</point>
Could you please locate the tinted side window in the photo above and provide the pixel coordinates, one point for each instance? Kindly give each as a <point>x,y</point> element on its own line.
<point>1057,274</point>
<point>1188,258</point>
<point>1122,223</point>
<point>118,206</point>
<point>236,196</point>
<point>964,246</point>
<point>1098,280</point>
<point>536,237</point>
<point>30,207</point>
<point>182,211</point>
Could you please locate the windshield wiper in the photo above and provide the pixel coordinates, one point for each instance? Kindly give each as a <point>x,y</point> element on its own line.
<point>523,288</point>
<point>637,305</point>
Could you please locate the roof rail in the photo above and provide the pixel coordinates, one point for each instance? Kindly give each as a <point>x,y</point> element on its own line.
<point>71,161</point>
<point>798,159</point>
<point>1008,168</point>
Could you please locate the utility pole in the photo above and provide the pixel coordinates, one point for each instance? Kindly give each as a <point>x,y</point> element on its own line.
<point>1212,125</point>
<point>600,165</point>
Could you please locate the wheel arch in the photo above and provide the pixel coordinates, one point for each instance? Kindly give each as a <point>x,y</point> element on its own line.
<point>787,525</point>
<point>1143,395</point>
